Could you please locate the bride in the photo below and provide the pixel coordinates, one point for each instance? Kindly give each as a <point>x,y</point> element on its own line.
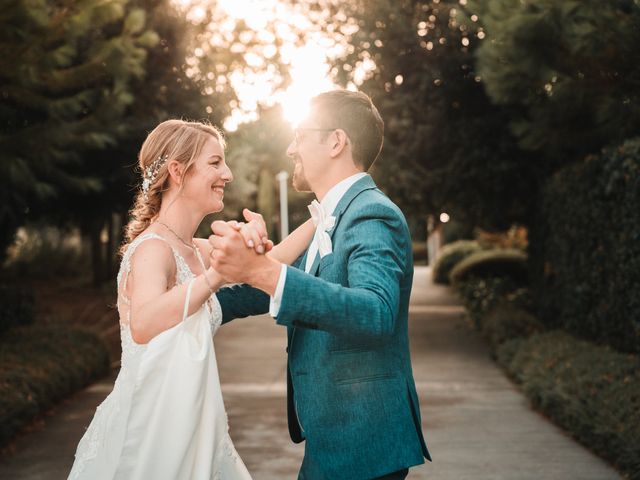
<point>165,418</point>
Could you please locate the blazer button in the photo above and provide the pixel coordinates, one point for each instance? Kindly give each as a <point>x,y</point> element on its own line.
<point>286,349</point>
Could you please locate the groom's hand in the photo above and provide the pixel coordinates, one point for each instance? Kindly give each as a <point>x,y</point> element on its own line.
<point>236,263</point>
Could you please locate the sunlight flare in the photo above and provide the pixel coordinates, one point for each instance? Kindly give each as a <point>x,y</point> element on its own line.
<point>278,28</point>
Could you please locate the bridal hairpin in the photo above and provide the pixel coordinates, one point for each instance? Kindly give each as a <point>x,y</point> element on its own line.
<point>150,174</point>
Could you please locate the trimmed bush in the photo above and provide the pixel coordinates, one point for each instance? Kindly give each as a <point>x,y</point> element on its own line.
<point>450,255</point>
<point>16,307</point>
<point>455,230</point>
<point>480,295</point>
<point>507,321</point>
<point>592,391</point>
<point>41,365</point>
<point>514,237</point>
<point>587,248</point>
<point>492,263</point>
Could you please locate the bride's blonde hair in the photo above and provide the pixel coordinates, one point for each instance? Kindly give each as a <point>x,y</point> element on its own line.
<point>179,140</point>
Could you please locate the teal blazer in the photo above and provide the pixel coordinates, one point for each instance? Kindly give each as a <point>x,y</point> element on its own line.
<point>351,393</point>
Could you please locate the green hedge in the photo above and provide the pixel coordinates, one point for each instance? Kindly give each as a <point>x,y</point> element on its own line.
<point>16,307</point>
<point>592,391</point>
<point>587,248</point>
<point>480,295</point>
<point>507,262</point>
<point>450,255</point>
<point>40,365</point>
<point>507,321</point>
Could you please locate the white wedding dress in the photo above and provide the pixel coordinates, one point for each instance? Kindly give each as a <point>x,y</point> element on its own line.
<point>165,418</point>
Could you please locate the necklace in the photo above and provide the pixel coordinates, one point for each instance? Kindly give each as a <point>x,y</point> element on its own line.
<point>190,246</point>
<point>198,256</point>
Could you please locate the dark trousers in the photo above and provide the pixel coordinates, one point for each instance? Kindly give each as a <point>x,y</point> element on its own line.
<point>399,475</point>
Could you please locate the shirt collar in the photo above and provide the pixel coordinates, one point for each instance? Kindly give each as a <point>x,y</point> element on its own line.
<point>335,194</point>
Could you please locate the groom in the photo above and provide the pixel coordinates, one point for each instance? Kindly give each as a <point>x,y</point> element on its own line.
<point>351,393</point>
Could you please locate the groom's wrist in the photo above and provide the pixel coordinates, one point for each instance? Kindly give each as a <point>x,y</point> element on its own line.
<point>265,276</point>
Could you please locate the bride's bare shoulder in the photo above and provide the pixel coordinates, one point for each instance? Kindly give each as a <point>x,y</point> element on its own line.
<point>153,252</point>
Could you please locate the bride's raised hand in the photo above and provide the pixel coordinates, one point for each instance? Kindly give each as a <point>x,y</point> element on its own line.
<point>257,221</point>
<point>253,234</point>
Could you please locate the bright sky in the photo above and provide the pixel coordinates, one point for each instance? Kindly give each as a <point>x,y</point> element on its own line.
<point>271,20</point>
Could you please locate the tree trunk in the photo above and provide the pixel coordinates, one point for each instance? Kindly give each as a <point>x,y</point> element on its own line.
<point>96,252</point>
<point>109,257</point>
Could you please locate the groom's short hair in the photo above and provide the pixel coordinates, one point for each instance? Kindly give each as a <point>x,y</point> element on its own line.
<point>355,113</point>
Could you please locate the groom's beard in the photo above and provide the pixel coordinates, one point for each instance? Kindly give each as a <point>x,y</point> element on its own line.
<point>300,183</point>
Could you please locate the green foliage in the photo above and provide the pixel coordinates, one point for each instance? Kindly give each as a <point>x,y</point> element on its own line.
<point>162,91</point>
<point>66,73</point>
<point>592,391</point>
<point>89,80</point>
<point>447,147</point>
<point>566,70</point>
<point>456,230</point>
<point>450,255</point>
<point>492,263</point>
<point>41,365</point>
<point>514,237</point>
<point>588,258</point>
<point>16,307</point>
<point>507,321</point>
<point>481,294</point>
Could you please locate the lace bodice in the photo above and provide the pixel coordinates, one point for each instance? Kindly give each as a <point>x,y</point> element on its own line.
<point>183,275</point>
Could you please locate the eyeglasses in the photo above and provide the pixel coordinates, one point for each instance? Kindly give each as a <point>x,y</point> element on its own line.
<point>298,132</point>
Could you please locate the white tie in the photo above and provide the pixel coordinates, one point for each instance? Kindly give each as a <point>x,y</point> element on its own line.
<point>321,240</point>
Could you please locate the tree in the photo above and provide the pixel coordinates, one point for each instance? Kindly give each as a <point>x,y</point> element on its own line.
<point>569,70</point>
<point>154,81</point>
<point>66,72</point>
<point>447,147</point>
<point>570,74</point>
<point>165,91</point>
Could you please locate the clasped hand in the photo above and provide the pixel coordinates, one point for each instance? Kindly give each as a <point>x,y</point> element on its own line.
<point>236,246</point>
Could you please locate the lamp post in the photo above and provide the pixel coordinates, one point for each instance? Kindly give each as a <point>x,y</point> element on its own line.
<point>282,178</point>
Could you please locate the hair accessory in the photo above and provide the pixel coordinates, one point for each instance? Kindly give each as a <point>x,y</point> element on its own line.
<point>150,174</point>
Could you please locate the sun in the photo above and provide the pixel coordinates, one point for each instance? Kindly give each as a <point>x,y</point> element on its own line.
<point>309,63</point>
<point>309,77</point>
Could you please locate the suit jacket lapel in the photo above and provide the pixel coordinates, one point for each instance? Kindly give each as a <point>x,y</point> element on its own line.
<point>303,262</point>
<point>315,265</point>
<point>365,183</point>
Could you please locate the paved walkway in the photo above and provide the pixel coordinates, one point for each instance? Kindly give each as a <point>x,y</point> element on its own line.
<point>476,423</point>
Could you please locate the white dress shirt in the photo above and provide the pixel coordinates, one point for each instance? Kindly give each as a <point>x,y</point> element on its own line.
<point>329,204</point>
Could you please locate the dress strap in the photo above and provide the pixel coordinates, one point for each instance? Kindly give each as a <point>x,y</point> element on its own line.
<point>199,255</point>
<point>186,301</point>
